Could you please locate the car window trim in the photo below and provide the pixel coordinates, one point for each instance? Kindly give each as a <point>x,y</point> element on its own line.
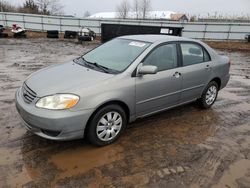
<point>195,43</point>
<point>157,46</point>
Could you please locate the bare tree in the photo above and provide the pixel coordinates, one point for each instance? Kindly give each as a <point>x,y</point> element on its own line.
<point>29,6</point>
<point>193,18</point>
<point>86,14</point>
<point>136,8</point>
<point>123,9</point>
<point>49,6</point>
<point>7,7</point>
<point>145,8</point>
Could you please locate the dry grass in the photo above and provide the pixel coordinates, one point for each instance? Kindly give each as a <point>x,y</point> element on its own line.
<point>230,45</point>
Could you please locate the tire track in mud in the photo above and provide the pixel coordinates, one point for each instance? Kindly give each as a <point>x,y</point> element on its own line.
<point>224,148</point>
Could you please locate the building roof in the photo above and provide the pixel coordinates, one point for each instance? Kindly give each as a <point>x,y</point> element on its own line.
<point>177,17</point>
<point>104,15</point>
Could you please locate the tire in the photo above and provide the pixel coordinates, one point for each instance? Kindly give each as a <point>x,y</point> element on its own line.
<point>106,127</point>
<point>16,35</point>
<point>3,35</point>
<point>212,89</point>
<point>70,34</point>
<point>84,38</point>
<point>53,34</point>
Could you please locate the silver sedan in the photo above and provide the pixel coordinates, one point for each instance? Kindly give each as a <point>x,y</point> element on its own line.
<point>127,78</point>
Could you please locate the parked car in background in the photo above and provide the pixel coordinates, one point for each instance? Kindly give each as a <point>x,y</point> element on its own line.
<point>127,78</point>
<point>18,32</point>
<point>86,34</point>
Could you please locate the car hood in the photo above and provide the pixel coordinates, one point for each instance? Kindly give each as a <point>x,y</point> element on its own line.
<point>62,78</point>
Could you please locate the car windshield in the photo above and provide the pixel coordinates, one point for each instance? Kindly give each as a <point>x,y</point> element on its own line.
<point>116,54</point>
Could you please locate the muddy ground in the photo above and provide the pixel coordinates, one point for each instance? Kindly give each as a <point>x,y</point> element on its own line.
<point>183,147</point>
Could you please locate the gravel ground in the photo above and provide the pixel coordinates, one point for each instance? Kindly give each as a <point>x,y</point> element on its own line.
<point>183,147</point>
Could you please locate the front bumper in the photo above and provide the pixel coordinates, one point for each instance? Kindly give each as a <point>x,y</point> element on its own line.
<point>52,124</point>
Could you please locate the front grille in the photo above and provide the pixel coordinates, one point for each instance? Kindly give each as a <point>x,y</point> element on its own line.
<point>28,94</point>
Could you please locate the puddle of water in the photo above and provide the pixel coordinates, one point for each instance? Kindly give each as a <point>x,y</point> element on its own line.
<point>232,177</point>
<point>80,160</point>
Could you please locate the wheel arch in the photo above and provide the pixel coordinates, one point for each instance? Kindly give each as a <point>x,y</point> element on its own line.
<point>122,104</point>
<point>218,81</point>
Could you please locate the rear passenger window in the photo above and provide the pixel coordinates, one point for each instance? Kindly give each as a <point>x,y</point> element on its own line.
<point>193,54</point>
<point>206,56</point>
<point>164,57</point>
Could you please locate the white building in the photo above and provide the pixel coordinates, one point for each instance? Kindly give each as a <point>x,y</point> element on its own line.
<point>165,15</point>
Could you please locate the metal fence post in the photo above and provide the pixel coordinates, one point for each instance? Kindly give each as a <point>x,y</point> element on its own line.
<point>60,20</point>
<point>205,30</point>
<point>229,31</point>
<point>23,21</point>
<point>42,23</point>
<point>5,20</point>
<point>100,28</point>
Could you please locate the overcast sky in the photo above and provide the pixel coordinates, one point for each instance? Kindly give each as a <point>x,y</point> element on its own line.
<point>78,7</point>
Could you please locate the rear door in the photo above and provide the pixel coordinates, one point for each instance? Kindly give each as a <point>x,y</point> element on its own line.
<point>196,71</point>
<point>161,90</point>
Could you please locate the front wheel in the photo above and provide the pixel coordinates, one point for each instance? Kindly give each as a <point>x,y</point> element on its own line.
<point>106,125</point>
<point>209,95</point>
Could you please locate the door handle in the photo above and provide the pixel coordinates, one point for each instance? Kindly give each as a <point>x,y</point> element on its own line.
<point>177,74</point>
<point>208,67</point>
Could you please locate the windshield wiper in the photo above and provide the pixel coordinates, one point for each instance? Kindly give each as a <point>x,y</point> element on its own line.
<point>103,68</point>
<point>83,62</point>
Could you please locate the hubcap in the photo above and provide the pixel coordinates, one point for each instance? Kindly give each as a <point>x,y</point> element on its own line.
<point>109,126</point>
<point>211,95</point>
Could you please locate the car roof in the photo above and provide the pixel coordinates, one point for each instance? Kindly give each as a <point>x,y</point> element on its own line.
<point>155,38</point>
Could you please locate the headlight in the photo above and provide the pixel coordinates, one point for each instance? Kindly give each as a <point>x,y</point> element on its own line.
<point>58,101</point>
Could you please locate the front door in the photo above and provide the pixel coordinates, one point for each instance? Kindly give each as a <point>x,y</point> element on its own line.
<point>162,90</point>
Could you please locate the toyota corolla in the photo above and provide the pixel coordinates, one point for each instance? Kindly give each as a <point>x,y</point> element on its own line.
<point>130,77</point>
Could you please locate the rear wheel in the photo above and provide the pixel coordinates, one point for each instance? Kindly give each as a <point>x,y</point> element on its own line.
<point>106,125</point>
<point>209,95</point>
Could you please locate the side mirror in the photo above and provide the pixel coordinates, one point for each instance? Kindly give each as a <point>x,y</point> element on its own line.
<point>147,69</point>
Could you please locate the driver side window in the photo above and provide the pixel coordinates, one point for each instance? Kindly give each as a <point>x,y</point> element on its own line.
<point>164,57</point>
